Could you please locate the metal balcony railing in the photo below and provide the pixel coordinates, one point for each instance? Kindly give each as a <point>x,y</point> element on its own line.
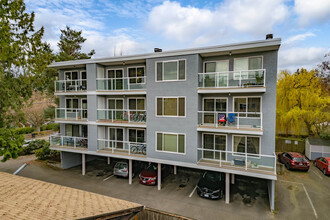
<point>126,147</point>
<point>70,114</point>
<point>68,141</point>
<point>122,115</point>
<point>126,83</point>
<point>77,85</point>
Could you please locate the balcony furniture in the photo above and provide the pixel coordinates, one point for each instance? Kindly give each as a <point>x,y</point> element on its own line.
<point>231,117</point>
<point>222,119</point>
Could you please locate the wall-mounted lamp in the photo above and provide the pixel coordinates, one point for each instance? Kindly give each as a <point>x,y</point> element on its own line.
<point>229,53</point>
<point>123,63</point>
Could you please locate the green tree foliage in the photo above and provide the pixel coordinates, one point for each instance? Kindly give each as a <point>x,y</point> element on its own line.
<point>33,146</point>
<point>10,143</point>
<point>23,57</point>
<point>45,153</point>
<point>70,46</point>
<point>301,103</point>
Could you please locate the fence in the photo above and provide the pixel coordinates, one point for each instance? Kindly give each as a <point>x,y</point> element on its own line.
<point>154,214</point>
<point>289,145</point>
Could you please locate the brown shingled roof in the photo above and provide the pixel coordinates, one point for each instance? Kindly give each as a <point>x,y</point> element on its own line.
<point>25,198</point>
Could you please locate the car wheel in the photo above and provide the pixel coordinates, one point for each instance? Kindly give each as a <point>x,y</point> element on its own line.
<point>324,172</point>
<point>287,166</point>
<point>315,164</point>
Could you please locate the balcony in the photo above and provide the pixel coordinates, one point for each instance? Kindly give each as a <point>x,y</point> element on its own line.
<point>122,116</point>
<point>121,84</point>
<point>246,162</point>
<point>232,81</point>
<point>231,122</point>
<point>80,143</point>
<point>122,147</point>
<point>71,114</point>
<point>78,85</point>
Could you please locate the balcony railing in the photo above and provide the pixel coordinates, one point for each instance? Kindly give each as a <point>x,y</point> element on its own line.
<point>238,160</point>
<point>127,83</point>
<point>232,79</point>
<point>70,114</point>
<point>68,141</point>
<point>122,116</point>
<point>238,120</point>
<point>122,147</point>
<point>71,85</point>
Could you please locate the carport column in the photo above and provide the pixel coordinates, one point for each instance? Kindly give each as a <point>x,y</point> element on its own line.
<point>227,188</point>
<point>83,164</point>
<point>159,176</point>
<point>108,160</point>
<point>271,192</point>
<point>129,171</point>
<point>174,170</point>
<point>232,178</point>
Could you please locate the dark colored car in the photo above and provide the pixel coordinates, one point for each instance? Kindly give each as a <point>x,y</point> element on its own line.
<point>323,163</point>
<point>294,161</point>
<point>211,185</point>
<point>148,176</point>
<point>121,168</point>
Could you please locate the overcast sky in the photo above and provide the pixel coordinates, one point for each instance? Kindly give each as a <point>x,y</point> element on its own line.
<point>133,27</point>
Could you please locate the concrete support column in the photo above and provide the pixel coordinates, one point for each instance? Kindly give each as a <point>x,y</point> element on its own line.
<point>159,176</point>
<point>108,160</point>
<point>83,164</point>
<point>227,188</point>
<point>271,192</point>
<point>174,170</point>
<point>130,167</point>
<point>232,178</point>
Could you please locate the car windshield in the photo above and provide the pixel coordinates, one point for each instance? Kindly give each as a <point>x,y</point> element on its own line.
<point>212,176</point>
<point>152,168</point>
<point>299,159</point>
<point>120,166</point>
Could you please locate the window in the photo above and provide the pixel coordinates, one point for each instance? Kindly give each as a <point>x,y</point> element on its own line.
<point>171,70</point>
<point>136,75</point>
<point>216,66</point>
<point>249,63</point>
<point>247,106</point>
<point>72,130</point>
<point>171,142</point>
<point>136,135</point>
<point>136,104</point>
<point>171,106</point>
<point>211,105</point>
<point>116,135</point>
<point>212,143</point>
<point>71,75</point>
<point>71,103</point>
<point>246,144</point>
<point>116,79</point>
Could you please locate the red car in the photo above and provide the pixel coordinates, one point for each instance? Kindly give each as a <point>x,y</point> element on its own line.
<point>323,163</point>
<point>149,175</point>
<point>294,161</point>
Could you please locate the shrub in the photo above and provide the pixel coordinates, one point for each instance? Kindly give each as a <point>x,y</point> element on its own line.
<point>26,130</point>
<point>33,146</point>
<point>53,126</point>
<point>45,153</point>
<point>325,134</point>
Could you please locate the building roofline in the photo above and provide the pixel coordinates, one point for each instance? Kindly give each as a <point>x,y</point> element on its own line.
<point>200,50</point>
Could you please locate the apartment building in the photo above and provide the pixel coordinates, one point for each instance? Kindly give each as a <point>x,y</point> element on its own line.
<point>210,108</point>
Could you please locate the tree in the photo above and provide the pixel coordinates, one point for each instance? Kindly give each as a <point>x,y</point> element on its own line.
<point>70,46</point>
<point>323,72</point>
<point>301,104</point>
<point>23,58</point>
<point>10,143</point>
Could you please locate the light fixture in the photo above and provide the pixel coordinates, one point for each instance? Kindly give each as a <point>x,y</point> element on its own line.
<point>229,53</point>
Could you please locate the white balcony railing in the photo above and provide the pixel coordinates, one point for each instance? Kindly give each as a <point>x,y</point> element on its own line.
<point>122,115</point>
<point>238,120</point>
<point>126,83</point>
<point>245,161</point>
<point>68,141</point>
<point>77,85</point>
<point>70,114</point>
<point>232,79</point>
<point>126,147</point>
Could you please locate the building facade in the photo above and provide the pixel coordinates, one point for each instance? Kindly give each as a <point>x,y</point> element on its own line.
<point>211,108</point>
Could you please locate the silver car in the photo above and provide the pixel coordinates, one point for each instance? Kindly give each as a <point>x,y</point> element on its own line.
<point>121,169</point>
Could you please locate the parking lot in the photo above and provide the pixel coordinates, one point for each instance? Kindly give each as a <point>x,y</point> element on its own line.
<point>249,196</point>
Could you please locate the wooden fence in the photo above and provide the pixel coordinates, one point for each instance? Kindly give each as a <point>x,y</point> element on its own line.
<point>154,214</point>
<point>289,145</point>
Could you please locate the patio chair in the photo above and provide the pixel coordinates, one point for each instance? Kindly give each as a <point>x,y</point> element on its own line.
<point>222,119</point>
<point>231,118</point>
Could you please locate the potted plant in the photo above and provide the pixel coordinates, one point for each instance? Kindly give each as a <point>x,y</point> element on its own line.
<point>255,165</point>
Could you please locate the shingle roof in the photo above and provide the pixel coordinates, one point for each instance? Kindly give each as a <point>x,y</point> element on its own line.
<point>25,198</point>
<point>319,141</point>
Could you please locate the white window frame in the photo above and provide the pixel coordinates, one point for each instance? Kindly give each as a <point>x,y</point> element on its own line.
<point>78,74</point>
<point>214,98</point>
<point>177,139</point>
<point>246,97</point>
<point>215,61</point>
<point>107,104</point>
<point>71,108</point>
<point>115,77</point>
<point>171,116</point>
<point>239,154</point>
<point>124,135</point>
<point>219,134</point>
<point>177,74</point>
<point>135,67</point>
<point>235,77</point>
<point>137,129</point>
<point>136,98</point>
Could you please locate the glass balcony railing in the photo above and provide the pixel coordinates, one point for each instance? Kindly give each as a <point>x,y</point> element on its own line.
<point>122,147</point>
<point>238,120</point>
<point>71,85</point>
<point>238,160</point>
<point>127,83</point>
<point>70,114</point>
<point>122,116</point>
<point>232,79</point>
<point>68,141</point>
